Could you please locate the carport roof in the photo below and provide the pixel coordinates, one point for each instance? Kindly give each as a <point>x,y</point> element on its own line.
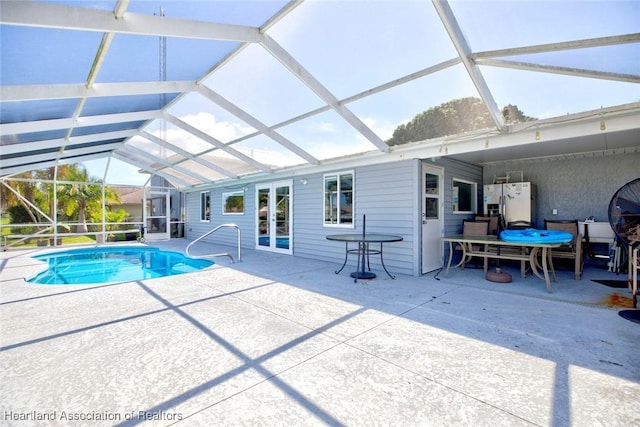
<point>203,92</point>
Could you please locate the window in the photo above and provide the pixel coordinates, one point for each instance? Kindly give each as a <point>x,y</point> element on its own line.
<point>465,194</point>
<point>432,196</point>
<point>338,199</point>
<point>205,206</point>
<point>233,203</point>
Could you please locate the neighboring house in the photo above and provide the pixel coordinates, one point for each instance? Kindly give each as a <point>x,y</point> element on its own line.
<point>131,200</point>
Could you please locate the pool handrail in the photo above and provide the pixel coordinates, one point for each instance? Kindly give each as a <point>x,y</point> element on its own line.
<point>228,225</point>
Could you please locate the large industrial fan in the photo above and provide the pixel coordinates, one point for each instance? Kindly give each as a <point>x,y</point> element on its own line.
<point>624,218</point>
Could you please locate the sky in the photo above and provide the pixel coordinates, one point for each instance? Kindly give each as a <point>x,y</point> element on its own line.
<point>349,47</point>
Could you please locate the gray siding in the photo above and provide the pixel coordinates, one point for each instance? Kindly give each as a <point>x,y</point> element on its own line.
<point>578,188</point>
<point>385,193</point>
<point>464,171</point>
<point>389,195</point>
<point>195,228</point>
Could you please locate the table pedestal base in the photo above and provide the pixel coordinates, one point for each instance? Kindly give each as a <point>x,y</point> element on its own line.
<point>364,251</point>
<point>363,275</point>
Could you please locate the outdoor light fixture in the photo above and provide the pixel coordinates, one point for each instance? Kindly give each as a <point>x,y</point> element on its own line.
<point>602,125</point>
<point>303,181</point>
<point>537,135</point>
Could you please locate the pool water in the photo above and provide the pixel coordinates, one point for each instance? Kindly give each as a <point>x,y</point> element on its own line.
<point>281,242</point>
<point>113,264</point>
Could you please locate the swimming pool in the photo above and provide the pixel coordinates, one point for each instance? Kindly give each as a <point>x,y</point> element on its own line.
<point>113,264</point>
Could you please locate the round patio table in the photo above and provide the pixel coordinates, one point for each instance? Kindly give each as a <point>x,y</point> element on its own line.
<point>363,241</point>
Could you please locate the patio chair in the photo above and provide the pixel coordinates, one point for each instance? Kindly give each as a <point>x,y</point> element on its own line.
<point>475,228</point>
<point>519,225</point>
<point>573,249</point>
<point>496,224</point>
<point>493,223</point>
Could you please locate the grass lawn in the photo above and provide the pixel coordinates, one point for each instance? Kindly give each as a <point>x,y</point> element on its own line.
<point>32,242</point>
<point>5,230</point>
<point>71,240</point>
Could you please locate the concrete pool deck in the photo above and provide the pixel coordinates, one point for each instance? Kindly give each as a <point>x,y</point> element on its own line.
<point>281,340</point>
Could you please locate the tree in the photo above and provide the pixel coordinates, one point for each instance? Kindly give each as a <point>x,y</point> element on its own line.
<point>452,118</point>
<point>82,197</point>
<point>27,190</point>
<point>512,114</point>
<point>46,178</point>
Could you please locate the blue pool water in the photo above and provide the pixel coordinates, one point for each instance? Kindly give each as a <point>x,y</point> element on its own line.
<point>113,264</point>
<point>281,242</point>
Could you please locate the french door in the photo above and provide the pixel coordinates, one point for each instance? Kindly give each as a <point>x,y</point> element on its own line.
<point>156,214</point>
<point>432,213</point>
<point>274,213</point>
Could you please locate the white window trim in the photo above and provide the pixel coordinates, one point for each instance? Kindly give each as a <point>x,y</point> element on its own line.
<point>474,198</point>
<point>201,207</point>
<point>231,193</point>
<point>352,225</point>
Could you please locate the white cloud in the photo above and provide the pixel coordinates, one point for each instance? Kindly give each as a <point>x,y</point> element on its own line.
<point>224,131</point>
<point>383,129</point>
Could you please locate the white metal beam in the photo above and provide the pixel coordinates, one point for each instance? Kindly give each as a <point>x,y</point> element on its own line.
<point>50,15</point>
<point>312,83</point>
<point>464,51</point>
<point>25,167</point>
<point>166,163</point>
<point>147,168</point>
<point>216,143</point>
<point>27,147</point>
<point>105,44</point>
<point>408,78</point>
<point>578,72</point>
<point>252,121</point>
<point>187,154</point>
<point>66,153</point>
<point>101,54</point>
<point>554,47</point>
<point>65,91</point>
<point>54,124</point>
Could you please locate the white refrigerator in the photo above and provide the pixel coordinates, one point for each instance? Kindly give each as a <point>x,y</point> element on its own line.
<point>514,201</point>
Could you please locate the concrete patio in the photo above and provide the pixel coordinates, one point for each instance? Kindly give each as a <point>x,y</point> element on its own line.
<point>280,340</point>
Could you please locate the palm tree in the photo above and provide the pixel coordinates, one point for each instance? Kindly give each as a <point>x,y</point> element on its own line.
<point>83,195</point>
<point>47,176</point>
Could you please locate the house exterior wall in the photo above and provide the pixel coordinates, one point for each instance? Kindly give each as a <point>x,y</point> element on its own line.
<point>134,211</point>
<point>390,196</point>
<point>463,171</point>
<point>386,193</point>
<point>578,188</point>
<point>195,228</point>
<point>454,169</point>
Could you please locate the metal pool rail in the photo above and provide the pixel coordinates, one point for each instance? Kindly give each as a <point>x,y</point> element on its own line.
<point>221,254</point>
